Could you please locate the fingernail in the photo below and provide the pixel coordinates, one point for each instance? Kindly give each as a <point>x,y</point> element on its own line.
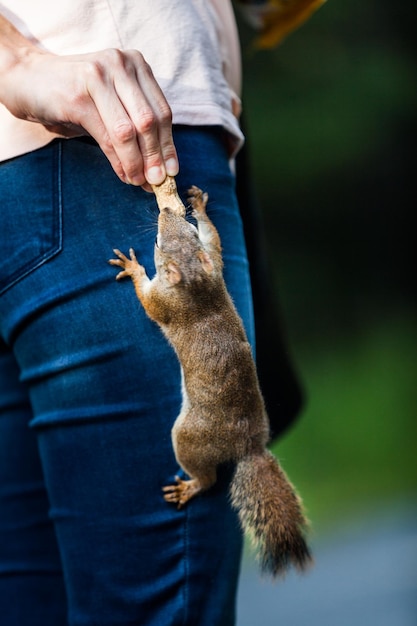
<point>155,175</point>
<point>171,167</point>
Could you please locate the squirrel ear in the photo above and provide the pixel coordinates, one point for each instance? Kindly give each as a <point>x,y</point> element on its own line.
<point>173,273</point>
<point>206,262</point>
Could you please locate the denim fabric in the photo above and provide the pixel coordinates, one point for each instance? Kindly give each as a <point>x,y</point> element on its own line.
<point>89,390</point>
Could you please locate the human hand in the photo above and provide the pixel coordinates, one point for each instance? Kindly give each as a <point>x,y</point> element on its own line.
<point>110,95</point>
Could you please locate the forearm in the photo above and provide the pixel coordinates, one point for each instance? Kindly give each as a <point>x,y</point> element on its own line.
<point>14,49</point>
<point>10,37</point>
<point>18,80</point>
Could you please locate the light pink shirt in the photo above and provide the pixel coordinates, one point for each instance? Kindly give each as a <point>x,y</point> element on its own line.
<point>192,47</point>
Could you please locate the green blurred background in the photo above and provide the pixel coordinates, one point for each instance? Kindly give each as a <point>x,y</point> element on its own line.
<point>330,117</point>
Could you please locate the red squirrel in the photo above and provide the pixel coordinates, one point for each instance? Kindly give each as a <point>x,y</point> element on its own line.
<point>223,417</point>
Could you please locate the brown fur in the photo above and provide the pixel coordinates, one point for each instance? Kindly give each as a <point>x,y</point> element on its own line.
<point>223,416</point>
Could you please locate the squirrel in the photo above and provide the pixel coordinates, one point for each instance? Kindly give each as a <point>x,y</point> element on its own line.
<point>223,417</point>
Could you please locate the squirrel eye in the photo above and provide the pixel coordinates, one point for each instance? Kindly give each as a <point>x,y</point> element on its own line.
<point>156,241</point>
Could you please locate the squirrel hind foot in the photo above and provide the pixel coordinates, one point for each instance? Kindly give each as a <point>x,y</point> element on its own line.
<point>183,491</point>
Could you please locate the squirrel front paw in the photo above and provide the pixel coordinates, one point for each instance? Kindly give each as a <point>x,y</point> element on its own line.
<point>197,199</point>
<point>129,266</point>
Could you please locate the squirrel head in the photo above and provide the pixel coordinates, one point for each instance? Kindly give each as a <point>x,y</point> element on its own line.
<point>180,257</point>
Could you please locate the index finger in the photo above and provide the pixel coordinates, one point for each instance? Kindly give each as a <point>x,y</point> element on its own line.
<point>155,138</point>
<point>135,131</point>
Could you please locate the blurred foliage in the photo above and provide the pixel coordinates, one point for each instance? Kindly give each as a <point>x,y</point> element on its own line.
<point>330,121</point>
<point>354,447</point>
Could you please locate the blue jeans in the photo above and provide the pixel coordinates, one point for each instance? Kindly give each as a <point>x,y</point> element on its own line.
<point>89,390</point>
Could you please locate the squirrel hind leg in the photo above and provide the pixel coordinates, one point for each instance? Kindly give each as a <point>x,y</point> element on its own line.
<point>184,490</point>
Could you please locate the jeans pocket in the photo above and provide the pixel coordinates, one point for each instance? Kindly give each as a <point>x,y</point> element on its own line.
<point>30,212</point>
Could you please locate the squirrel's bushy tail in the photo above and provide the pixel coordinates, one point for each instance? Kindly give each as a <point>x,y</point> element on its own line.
<point>270,512</point>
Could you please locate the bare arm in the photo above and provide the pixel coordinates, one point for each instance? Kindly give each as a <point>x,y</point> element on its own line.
<point>110,95</point>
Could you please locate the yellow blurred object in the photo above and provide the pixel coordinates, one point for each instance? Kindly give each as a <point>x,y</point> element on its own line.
<point>275,19</point>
